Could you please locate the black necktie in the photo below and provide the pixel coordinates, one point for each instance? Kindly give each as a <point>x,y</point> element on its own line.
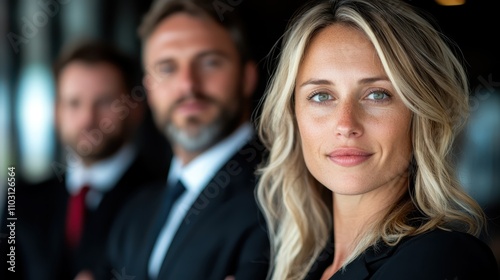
<point>172,194</point>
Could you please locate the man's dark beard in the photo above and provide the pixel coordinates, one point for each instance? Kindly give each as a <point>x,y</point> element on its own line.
<point>92,152</point>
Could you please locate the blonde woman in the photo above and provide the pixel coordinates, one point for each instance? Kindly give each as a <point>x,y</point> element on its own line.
<point>359,118</point>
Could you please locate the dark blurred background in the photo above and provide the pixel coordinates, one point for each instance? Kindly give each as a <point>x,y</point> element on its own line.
<point>34,31</point>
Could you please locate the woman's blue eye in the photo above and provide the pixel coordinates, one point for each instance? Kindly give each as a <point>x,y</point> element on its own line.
<point>320,97</point>
<point>378,95</point>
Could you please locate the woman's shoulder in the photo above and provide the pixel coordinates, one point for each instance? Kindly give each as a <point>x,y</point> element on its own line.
<point>440,254</point>
<point>446,240</point>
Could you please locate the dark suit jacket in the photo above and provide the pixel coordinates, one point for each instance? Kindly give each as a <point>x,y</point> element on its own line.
<point>436,255</point>
<point>222,234</point>
<point>41,214</point>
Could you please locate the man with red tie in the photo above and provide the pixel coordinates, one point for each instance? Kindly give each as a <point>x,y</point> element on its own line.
<point>64,222</point>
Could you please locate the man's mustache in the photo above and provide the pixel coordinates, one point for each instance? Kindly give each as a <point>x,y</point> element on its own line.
<point>181,100</point>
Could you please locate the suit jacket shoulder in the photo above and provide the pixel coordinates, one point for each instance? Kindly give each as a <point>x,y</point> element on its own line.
<point>435,255</point>
<point>441,254</point>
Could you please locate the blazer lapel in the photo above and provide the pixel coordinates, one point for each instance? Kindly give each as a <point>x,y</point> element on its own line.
<point>202,207</point>
<point>145,247</point>
<point>370,260</point>
<point>57,231</point>
<point>357,270</point>
<point>150,237</point>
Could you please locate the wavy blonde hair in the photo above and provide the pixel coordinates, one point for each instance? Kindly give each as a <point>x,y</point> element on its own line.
<point>433,85</point>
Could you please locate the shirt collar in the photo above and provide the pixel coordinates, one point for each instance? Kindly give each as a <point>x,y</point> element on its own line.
<point>103,175</point>
<point>198,173</point>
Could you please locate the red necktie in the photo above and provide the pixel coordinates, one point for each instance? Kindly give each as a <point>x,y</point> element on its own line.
<point>75,217</point>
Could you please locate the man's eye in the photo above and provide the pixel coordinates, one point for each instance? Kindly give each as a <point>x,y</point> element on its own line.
<point>166,68</point>
<point>73,103</point>
<point>104,103</point>
<point>211,63</point>
<point>320,97</point>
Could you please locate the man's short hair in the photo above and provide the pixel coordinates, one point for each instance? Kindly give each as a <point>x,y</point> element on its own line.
<point>230,20</point>
<point>93,52</point>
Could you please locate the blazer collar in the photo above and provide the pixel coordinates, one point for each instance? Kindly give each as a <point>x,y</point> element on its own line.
<point>364,265</point>
<point>358,269</point>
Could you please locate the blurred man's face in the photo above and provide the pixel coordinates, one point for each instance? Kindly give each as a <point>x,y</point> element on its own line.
<point>195,81</point>
<point>91,117</point>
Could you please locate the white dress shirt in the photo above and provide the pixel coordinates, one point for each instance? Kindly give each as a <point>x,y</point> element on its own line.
<point>195,176</point>
<point>101,176</point>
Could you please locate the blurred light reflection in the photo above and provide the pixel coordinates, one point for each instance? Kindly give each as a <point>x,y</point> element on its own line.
<point>35,118</point>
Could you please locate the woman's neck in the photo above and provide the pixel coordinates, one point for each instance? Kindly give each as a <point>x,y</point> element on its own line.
<point>349,222</point>
<point>353,215</point>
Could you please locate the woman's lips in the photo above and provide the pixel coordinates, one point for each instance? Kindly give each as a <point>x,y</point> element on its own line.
<point>348,157</point>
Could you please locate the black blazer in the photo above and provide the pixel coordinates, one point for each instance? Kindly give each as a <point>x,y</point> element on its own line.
<point>41,214</point>
<point>435,255</point>
<point>222,234</point>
